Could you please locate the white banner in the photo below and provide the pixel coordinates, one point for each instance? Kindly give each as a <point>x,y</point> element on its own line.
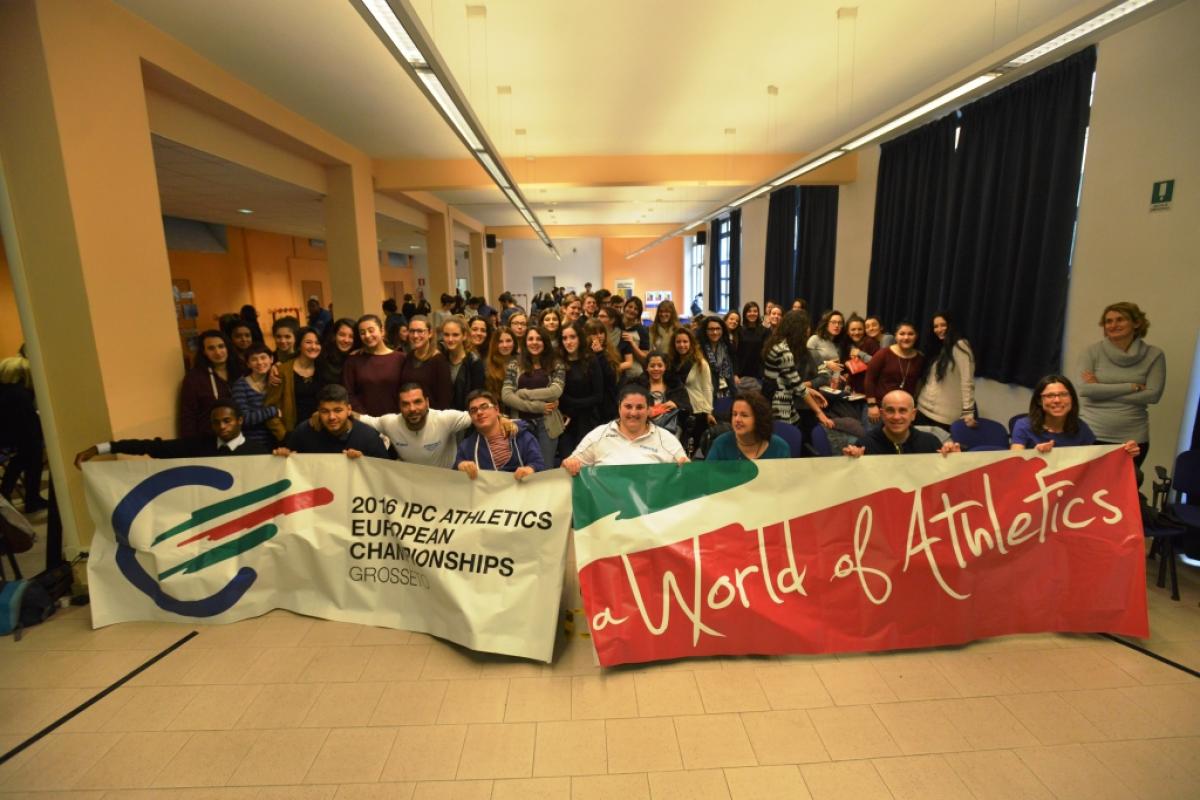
<point>367,541</point>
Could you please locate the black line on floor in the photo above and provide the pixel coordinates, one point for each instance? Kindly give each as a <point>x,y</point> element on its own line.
<point>65,718</point>
<point>1152,654</point>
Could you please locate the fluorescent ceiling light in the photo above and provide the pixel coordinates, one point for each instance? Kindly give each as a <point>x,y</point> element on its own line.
<point>245,210</point>
<point>383,14</point>
<point>492,167</point>
<point>748,197</point>
<point>922,110</point>
<point>449,108</point>
<point>809,167</point>
<point>1084,28</point>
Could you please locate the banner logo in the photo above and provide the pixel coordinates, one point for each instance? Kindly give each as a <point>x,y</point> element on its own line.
<point>256,525</point>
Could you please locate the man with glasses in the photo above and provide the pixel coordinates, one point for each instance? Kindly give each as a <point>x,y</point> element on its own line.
<point>497,443</point>
<point>896,435</point>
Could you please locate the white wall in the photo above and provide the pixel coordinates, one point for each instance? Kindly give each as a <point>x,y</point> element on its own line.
<point>754,249</point>
<point>525,258</point>
<point>856,220</point>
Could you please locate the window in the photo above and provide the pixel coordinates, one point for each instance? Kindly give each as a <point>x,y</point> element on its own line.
<point>720,303</point>
<point>693,272</point>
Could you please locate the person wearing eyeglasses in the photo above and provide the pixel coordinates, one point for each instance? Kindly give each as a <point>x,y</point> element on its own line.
<point>497,443</point>
<point>1054,420</point>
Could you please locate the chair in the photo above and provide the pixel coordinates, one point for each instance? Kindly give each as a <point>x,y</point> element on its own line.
<point>1186,482</point>
<point>820,444</point>
<point>1165,531</point>
<point>723,408</point>
<point>790,434</point>
<point>988,433</point>
<point>1012,422</point>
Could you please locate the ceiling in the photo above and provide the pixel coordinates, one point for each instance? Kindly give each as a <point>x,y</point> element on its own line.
<point>619,77</point>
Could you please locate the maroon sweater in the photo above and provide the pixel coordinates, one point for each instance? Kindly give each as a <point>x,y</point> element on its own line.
<point>888,371</point>
<point>434,375</point>
<point>374,382</point>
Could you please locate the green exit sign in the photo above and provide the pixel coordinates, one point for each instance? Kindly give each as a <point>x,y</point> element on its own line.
<point>1161,194</point>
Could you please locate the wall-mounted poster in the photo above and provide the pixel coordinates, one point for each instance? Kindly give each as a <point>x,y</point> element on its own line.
<point>624,287</point>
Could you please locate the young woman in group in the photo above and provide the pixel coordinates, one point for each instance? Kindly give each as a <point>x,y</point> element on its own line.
<point>862,347</point>
<point>752,437</point>
<point>295,395</point>
<point>948,393</point>
<point>584,388</point>
<point>752,334</point>
<point>426,364</point>
<point>602,343</point>
<point>480,333</point>
<point>519,323</point>
<point>898,366</point>
<point>466,367</point>
<point>1054,421</point>
<point>501,352</point>
<point>372,375</point>
<point>875,329</point>
<point>714,344</point>
<point>210,378</point>
<point>284,331</point>
<point>533,385</point>
<point>662,330</point>
<point>786,371</point>
<point>550,319</point>
<point>672,407</point>
<point>829,347</point>
<point>690,367</point>
<point>341,339</point>
<point>241,336</point>
<point>250,392</point>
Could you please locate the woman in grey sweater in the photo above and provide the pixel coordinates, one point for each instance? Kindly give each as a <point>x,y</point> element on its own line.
<point>1121,377</point>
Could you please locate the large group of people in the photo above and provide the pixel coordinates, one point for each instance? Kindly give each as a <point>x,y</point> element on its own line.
<point>581,379</point>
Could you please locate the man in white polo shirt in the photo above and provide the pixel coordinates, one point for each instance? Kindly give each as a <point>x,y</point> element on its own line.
<point>631,439</point>
<point>419,434</point>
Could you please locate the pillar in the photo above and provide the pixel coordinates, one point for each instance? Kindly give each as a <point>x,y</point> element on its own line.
<point>439,245</point>
<point>495,271</point>
<point>350,241</point>
<point>478,251</point>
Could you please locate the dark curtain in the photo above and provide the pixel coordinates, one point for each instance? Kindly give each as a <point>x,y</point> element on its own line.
<point>714,266</point>
<point>735,258</point>
<point>816,247</point>
<point>986,231</point>
<point>779,279</point>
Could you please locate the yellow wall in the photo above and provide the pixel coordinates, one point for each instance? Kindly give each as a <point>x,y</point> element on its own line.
<point>11,336</point>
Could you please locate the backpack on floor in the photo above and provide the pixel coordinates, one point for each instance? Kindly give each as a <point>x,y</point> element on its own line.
<point>23,604</point>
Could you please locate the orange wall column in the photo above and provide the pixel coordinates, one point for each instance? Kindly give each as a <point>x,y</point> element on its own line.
<point>439,243</point>
<point>350,241</point>
<point>83,231</point>
<point>495,271</point>
<point>479,282</point>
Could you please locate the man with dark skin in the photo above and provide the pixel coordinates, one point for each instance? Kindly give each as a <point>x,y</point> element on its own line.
<point>227,440</point>
<point>335,431</point>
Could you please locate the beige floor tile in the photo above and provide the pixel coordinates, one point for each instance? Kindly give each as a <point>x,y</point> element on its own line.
<point>852,683</point>
<point>454,790</point>
<point>1185,752</point>
<point>1147,767</point>
<point>713,740</point>
<point>279,757</point>
<point>352,754</point>
<point>606,696</point>
<point>913,676</point>
<point>920,727</point>
<point>783,737</point>
<point>171,670</point>
<point>920,778</point>
<point>208,759</point>
<point>1072,773</point>
<point>215,708</point>
<point>1114,714</point>
<point>26,711</point>
<point>409,703</point>
<point>336,664</point>
<point>975,674</point>
<point>394,661</point>
<point>642,745</point>
<point>225,665</point>
<point>667,694</point>
<point>1177,708</point>
<point>984,723</point>
<point>446,661</point>
<point>150,708</point>
<point>766,783</point>
<point>532,789</point>
<point>789,685</point>
<point>375,791</point>
<point>344,705</point>
<point>230,634</point>
<point>60,761</point>
<point>295,793</point>
<point>852,733</point>
<point>494,665</point>
<point>503,750</point>
<point>474,701</point>
<point>577,658</point>
<point>280,706</point>
<point>538,699</point>
<point>727,690</point>
<point>425,753</point>
<point>279,665</point>
<point>606,787</point>
<point>576,747</point>
<point>704,784</point>
<point>94,717</point>
<point>997,775</point>
<point>280,629</point>
<point>134,760</point>
<point>1051,719</point>
<point>369,635</point>
<point>844,780</point>
<point>1143,669</point>
<point>326,633</point>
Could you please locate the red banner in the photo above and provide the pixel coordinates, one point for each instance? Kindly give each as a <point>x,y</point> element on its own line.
<point>1014,545</point>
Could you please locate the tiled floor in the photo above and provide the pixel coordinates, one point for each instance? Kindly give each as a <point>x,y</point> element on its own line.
<point>289,707</point>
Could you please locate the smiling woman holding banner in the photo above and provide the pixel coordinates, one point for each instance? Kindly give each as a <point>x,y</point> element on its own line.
<point>1054,419</point>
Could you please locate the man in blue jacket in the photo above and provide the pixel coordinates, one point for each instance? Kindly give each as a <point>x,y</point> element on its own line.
<point>496,443</point>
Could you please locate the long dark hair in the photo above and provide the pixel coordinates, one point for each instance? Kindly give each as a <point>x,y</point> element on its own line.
<point>793,329</point>
<point>841,340</point>
<point>758,323</point>
<point>233,365</point>
<point>548,360</point>
<point>1037,415</point>
<point>941,351</point>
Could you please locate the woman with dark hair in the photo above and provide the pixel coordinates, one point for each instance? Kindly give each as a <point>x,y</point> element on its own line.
<point>372,375</point>
<point>875,329</point>
<point>533,385</point>
<point>249,315</point>
<point>551,320</point>
<point>299,381</point>
<point>829,346</point>
<point>340,341</point>
<point>748,354</point>
<point>714,343</point>
<point>466,368</point>
<point>614,366</point>
<point>241,336</point>
<point>690,367</point>
<point>583,390</point>
<point>670,405</point>
<point>785,366</point>
<point>662,330</point>
<point>862,347</point>
<point>284,331</point>
<point>752,436</point>
<point>208,381</point>
<point>1122,377</point>
<point>501,351</point>
<point>250,392</point>
<point>426,364</point>
<point>1054,420</point>
<point>898,366</point>
<point>948,392</point>
<point>479,333</point>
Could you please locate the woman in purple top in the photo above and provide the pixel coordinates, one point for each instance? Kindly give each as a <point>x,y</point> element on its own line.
<point>1054,419</point>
